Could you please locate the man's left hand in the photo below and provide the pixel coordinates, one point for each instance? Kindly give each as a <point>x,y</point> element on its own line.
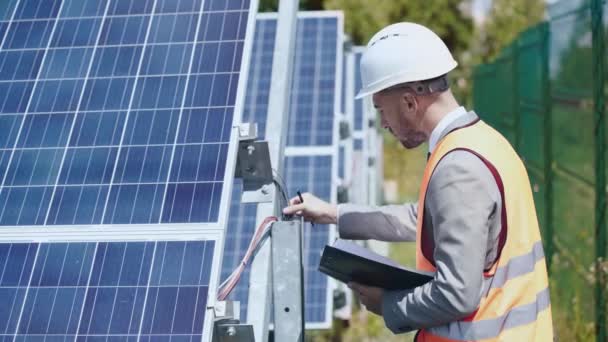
<point>369,296</point>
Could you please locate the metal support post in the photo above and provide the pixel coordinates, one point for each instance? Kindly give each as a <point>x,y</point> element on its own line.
<point>258,309</point>
<point>599,67</point>
<point>288,281</point>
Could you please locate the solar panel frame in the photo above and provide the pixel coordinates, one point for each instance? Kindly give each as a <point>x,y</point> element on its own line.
<point>361,132</point>
<point>360,114</point>
<point>210,231</point>
<point>346,152</point>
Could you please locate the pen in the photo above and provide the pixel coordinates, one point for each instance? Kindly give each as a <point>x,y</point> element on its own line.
<point>302,201</point>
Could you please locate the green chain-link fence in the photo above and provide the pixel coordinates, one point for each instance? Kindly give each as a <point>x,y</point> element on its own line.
<point>546,93</point>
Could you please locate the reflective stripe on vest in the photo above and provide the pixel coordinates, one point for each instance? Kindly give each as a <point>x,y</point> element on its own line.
<point>515,304</point>
<point>490,328</point>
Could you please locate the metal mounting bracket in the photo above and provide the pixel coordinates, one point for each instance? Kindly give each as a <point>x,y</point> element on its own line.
<point>226,325</point>
<point>254,166</point>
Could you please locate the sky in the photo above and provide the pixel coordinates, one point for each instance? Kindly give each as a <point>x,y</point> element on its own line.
<point>481,9</point>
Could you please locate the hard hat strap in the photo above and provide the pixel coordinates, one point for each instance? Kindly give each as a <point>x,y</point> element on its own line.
<point>426,87</point>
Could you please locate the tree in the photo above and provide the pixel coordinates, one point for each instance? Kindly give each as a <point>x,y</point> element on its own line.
<point>506,20</point>
<point>446,17</point>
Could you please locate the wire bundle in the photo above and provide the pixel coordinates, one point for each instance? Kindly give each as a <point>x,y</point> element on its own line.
<point>259,235</point>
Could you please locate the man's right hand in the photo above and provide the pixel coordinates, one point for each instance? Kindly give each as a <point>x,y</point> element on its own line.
<point>313,209</point>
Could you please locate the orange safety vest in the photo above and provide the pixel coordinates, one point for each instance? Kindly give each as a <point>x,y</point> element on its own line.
<point>515,305</point>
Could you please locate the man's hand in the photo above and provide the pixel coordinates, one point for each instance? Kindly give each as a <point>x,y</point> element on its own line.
<point>369,296</point>
<point>313,209</point>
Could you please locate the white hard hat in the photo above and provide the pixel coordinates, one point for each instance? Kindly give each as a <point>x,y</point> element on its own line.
<point>403,53</point>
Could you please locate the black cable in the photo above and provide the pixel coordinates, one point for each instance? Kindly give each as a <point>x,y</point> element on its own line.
<point>278,180</point>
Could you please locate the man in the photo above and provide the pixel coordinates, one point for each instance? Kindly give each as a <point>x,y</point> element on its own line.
<point>474,225</point>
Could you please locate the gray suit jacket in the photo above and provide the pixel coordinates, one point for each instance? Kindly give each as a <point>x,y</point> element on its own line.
<point>462,212</point>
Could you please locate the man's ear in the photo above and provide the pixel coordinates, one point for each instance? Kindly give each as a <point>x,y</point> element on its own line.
<point>409,101</point>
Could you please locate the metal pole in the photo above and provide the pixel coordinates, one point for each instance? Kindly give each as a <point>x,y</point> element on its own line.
<point>548,150</point>
<point>288,281</point>
<point>597,21</point>
<point>260,298</point>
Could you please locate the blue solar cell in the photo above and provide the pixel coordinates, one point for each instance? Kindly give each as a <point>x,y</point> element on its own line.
<point>116,61</point>
<point>44,130</point>
<point>36,9</point>
<point>165,59</point>
<point>83,8</point>
<point>9,125</point>
<point>183,27</point>
<point>97,129</point>
<point>210,125</point>
<point>123,7</point>
<point>66,63</point>
<point>344,86</point>
<point>88,166</point>
<point>22,206</point>
<point>341,162</point>
<point>359,117</point>
<point>34,167</point>
<point>358,144</point>
<point>147,164</point>
<point>99,290</point>
<point>172,6</point>
<point>6,9</point>
<point>20,65</point>
<point>139,203</point>
<point>28,35</point>
<point>14,96</point>
<point>107,94</point>
<point>56,96</point>
<point>151,127</point>
<point>159,92</point>
<point>124,30</point>
<point>75,32</point>
<point>77,205</point>
<point>221,5</point>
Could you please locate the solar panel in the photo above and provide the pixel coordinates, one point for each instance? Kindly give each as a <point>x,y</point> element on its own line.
<point>315,85</point>
<point>117,125</point>
<point>118,112</point>
<point>94,291</point>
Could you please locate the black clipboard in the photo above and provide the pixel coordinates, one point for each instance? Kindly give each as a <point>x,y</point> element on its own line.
<point>348,262</point>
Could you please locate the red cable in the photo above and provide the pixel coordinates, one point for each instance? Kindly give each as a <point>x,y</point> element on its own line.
<point>230,283</point>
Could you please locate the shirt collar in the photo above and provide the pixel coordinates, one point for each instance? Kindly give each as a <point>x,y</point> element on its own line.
<point>443,124</point>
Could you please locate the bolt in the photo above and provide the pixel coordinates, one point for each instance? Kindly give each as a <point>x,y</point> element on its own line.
<point>250,149</point>
<point>231,331</point>
<point>265,190</point>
